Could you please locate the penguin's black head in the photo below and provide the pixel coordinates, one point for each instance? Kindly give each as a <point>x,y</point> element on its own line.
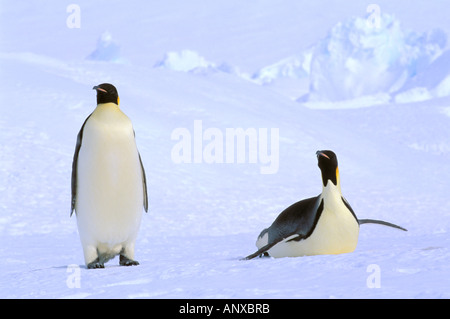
<point>328,164</point>
<point>106,93</point>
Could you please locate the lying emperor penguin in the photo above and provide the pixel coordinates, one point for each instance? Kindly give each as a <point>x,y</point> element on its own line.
<point>321,225</point>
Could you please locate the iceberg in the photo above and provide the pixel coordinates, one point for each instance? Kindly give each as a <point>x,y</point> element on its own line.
<point>184,61</point>
<point>107,50</point>
<point>357,59</point>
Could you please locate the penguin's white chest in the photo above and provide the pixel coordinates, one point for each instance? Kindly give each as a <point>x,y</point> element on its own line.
<point>109,185</point>
<point>336,232</point>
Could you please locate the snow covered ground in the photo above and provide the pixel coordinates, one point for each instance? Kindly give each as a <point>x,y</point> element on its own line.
<point>261,65</point>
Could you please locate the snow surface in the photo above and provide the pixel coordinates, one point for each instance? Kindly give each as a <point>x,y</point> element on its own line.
<point>236,66</point>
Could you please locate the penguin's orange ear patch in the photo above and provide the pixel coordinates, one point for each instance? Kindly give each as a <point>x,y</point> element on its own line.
<point>118,100</point>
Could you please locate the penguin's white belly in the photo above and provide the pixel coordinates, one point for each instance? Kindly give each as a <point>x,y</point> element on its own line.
<point>336,232</point>
<point>110,190</point>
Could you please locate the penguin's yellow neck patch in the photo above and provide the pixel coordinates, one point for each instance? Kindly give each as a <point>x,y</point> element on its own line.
<point>338,180</point>
<point>107,107</point>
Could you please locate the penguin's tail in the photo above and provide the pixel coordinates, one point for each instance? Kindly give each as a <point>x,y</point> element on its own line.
<point>380,222</point>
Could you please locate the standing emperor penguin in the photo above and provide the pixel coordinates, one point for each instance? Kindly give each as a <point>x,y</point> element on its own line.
<point>108,183</point>
<point>320,225</point>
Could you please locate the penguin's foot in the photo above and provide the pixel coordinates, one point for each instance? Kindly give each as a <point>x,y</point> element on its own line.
<point>95,264</point>
<point>125,261</point>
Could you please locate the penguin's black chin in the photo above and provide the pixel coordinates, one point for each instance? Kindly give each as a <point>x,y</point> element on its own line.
<point>334,182</point>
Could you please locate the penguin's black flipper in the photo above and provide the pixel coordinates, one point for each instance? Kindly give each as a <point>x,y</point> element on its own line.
<point>144,180</point>
<point>75,166</point>
<point>144,184</point>
<point>380,222</point>
<point>260,251</point>
<point>293,224</point>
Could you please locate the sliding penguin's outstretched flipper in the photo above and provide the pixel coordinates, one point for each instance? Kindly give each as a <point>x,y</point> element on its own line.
<point>380,222</point>
<point>259,252</point>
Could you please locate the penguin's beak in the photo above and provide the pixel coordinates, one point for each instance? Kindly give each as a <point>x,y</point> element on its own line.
<point>320,153</point>
<point>97,88</point>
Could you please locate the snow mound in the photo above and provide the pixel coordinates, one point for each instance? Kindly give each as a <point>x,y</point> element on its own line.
<point>434,82</point>
<point>192,62</point>
<point>107,50</point>
<point>361,62</point>
<point>184,61</point>
<point>357,59</point>
<point>294,67</point>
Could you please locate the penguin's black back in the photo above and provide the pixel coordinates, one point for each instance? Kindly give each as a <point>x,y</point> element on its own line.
<point>299,218</point>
